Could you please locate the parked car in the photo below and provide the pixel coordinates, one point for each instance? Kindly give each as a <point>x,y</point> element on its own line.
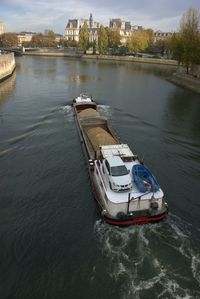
<point>117,174</point>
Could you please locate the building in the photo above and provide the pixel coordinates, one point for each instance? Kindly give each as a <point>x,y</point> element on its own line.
<point>74,26</point>
<point>25,37</point>
<point>1,28</point>
<point>124,27</point>
<point>159,35</point>
<point>120,24</point>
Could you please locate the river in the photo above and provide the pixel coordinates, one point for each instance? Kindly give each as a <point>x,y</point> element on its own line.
<point>53,243</point>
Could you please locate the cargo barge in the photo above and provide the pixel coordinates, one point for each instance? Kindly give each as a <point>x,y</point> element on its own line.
<point>126,191</point>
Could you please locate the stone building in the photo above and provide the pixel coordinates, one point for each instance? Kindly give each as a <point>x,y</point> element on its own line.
<point>25,37</point>
<point>159,35</point>
<point>74,26</point>
<point>124,27</point>
<point>1,28</point>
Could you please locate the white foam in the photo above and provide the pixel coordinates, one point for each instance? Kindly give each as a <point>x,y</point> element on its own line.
<point>195,266</point>
<point>68,111</point>
<point>105,110</point>
<point>131,249</point>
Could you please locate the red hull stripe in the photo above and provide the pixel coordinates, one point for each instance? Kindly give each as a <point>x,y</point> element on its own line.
<point>139,220</point>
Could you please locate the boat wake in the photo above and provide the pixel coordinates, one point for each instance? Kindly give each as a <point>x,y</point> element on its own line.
<point>106,111</point>
<point>14,143</point>
<point>68,111</point>
<point>152,261</point>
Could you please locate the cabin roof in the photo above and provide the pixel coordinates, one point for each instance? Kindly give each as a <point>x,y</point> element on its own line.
<point>121,150</point>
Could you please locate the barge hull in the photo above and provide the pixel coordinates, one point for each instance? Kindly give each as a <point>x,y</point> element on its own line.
<point>91,154</point>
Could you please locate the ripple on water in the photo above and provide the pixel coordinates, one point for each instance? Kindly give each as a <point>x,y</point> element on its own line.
<point>139,258</point>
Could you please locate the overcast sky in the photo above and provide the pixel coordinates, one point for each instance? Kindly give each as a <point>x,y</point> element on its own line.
<point>38,15</point>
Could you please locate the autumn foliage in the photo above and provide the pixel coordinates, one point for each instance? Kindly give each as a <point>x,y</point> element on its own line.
<point>8,39</point>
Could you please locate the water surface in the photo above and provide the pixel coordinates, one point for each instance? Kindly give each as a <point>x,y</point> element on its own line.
<point>53,242</point>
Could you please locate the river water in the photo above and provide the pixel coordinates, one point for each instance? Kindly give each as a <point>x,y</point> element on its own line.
<point>53,243</point>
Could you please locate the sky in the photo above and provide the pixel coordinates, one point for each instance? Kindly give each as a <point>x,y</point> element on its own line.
<point>38,15</point>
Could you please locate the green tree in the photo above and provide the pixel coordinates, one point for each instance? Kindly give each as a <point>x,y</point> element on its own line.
<point>176,47</point>
<point>150,37</point>
<point>68,43</point>
<point>185,45</point>
<point>94,47</point>
<point>161,46</point>
<point>102,40</point>
<point>190,36</point>
<point>113,38</point>
<point>84,37</point>
<point>8,39</point>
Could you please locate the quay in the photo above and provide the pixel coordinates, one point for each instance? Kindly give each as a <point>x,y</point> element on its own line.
<point>62,53</point>
<point>7,65</point>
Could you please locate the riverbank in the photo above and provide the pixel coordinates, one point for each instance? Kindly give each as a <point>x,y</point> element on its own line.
<point>7,66</point>
<point>186,81</point>
<point>102,57</point>
<point>131,59</point>
<point>53,53</point>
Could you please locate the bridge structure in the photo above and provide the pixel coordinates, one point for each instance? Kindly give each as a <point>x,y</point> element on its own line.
<point>16,51</point>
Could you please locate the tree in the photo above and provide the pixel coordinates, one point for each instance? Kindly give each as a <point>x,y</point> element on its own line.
<point>68,43</point>
<point>51,35</point>
<point>37,40</point>
<point>138,41</point>
<point>150,37</point>
<point>176,47</point>
<point>161,46</point>
<point>190,36</point>
<point>50,39</point>
<point>102,40</point>
<point>8,40</point>
<point>113,38</point>
<point>84,37</point>
<point>185,45</point>
<point>40,40</point>
<point>94,47</point>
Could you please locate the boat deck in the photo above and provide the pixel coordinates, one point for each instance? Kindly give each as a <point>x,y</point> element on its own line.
<point>122,197</point>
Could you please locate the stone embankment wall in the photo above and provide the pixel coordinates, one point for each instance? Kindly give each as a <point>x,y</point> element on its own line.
<point>7,65</point>
<point>52,52</point>
<point>43,52</point>
<point>195,70</point>
<point>132,59</point>
<point>187,81</point>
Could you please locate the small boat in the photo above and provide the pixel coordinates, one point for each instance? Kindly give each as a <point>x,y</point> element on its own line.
<point>126,191</point>
<point>144,179</point>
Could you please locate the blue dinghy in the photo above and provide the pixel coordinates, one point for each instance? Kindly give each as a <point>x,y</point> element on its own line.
<point>144,179</point>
